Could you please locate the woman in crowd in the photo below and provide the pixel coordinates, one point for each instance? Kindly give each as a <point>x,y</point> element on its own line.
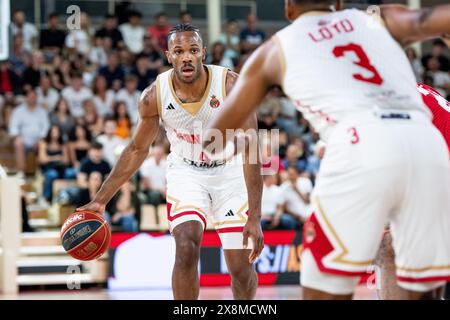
<point>53,156</point>
<point>123,120</point>
<point>91,118</point>
<point>80,142</point>
<point>103,98</point>
<point>62,118</point>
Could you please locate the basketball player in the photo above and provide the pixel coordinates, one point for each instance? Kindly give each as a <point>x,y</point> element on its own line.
<point>185,98</point>
<point>385,161</point>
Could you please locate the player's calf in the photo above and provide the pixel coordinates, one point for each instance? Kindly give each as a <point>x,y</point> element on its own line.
<point>244,279</point>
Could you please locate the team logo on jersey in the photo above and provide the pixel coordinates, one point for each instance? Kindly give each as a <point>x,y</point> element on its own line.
<point>214,103</point>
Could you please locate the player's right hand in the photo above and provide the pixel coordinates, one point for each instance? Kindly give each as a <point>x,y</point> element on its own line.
<point>93,206</point>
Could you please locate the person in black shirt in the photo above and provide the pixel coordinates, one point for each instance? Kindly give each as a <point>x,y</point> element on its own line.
<point>144,72</point>
<point>110,30</point>
<point>437,51</point>
<point>52,39</point>
<point>93,162</point>
<point>113,72</point>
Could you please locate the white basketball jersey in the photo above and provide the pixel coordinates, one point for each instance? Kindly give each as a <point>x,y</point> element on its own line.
<point>184,121</point>
<point>342,63</point>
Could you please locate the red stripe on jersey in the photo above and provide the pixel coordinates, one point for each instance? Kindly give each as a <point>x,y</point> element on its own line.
<point>440,108</point>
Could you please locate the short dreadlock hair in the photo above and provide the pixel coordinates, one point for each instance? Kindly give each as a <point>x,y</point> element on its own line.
<point>184,27</point>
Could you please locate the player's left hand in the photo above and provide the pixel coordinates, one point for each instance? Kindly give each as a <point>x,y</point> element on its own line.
<point>253,231</point>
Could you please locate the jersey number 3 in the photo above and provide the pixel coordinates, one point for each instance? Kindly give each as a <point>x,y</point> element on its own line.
<point>363,62</point>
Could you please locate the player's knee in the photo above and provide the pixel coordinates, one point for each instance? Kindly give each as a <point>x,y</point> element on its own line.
<point>311,277</point>
<point>242,276</point>
<point>187,252</point>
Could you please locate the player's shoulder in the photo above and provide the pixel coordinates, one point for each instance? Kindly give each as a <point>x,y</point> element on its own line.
<point>148,101</point>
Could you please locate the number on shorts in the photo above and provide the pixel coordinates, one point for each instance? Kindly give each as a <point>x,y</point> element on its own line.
<point>363,62</point>
<point>354,134</point>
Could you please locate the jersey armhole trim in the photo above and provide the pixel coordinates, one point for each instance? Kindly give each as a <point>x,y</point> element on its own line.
<point>158,96</point>
<point>224,83</point>
<point>281,57</point>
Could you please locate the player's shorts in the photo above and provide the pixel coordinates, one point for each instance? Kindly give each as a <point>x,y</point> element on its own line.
<point>378,169</point>
<point>208,195</point>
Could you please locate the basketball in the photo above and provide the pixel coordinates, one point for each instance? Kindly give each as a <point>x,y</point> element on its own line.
<point>85,235</point>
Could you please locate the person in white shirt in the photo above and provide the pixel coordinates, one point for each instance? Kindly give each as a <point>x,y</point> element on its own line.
<point>80,39</point>
<point>29,123</point>
<point>47,96</point>
<point>130,95</point>
<point>441,78</point>
<point>103,98</point>
<point>28,30</point>
<point>112,144</point>
<point>133,33</point>
<point>153,172</point>
<point>97,55</point>
<point>76,94</point>
<point>272,206</point>
<point>296,192</point>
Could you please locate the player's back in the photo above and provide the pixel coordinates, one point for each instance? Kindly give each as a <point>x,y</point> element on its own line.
<point>342,63</point>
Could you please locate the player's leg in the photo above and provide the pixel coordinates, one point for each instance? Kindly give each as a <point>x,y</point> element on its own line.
<point>230,211</point>
<point>185,281</point>
<point>420,227</point>
<point>244,279</point>
<point>187,204</point>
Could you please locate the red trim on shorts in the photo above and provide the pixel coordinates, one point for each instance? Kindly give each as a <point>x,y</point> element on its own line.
<point>184,213</point>
<point>225,279</point>
<point>320,246</point>
<point>425,279</point>
<point>229,230</point>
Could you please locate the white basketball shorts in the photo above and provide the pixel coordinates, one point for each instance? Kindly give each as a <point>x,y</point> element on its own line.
<point>208,195</point>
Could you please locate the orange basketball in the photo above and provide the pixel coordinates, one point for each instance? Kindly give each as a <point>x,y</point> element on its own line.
<point>85,235</point>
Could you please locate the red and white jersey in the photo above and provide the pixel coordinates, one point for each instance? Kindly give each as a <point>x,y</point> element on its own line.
<point>184,122</point>
<point>440,108</point>
<point>342,63</point>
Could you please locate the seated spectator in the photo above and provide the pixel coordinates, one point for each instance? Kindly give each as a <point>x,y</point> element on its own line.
<point>47,96</point>
<point>123,120</point>
<point>313,165</point>
<point>110,30</point>
<point>415,62</point>
<point>86,194</point>
<point>270,161</point>
<point>113,72</point>
<point>112,144</point>
<point>125,209</point>
<point>98,56</point>
<point>29,124</point>
<point>93,162</point>
<point>230,39</point>
<point>91,119</point>
<point>217,56</point>
<point>159,31</point>
<point>80,143</point>
<point>437,52</point>
<point>296,193</point>
<point>79,40</point>
<point>272,216</point>
<point>130,95</point>
<point>76,94</point>
<point>133,32</point>
<point>153,173</point>
<point>441,78</point>
<point>52,38</point>
<point>28,30</point>
<point>151,51</point>
<point>62,118</point>
<point>144,73</point>
<point>103,98</point>
<point>53,157</point>
<point>251,37</point>
<point>295,157</point>
<point>10,82</point>
<point>32,75</point>
<point>20,57</point>
<point>185,17</point>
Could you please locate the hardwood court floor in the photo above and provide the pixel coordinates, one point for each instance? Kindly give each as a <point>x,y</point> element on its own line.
<point>214,293</point>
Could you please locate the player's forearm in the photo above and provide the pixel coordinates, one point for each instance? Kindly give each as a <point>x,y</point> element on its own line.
<point>127,165</point>
<point>435,21</point>
<point>254,183</point>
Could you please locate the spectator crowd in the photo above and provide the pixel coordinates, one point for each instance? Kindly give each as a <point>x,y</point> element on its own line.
<point>70,98</point>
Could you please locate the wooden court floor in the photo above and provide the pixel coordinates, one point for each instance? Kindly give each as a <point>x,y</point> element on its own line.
<point>214,293</point>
